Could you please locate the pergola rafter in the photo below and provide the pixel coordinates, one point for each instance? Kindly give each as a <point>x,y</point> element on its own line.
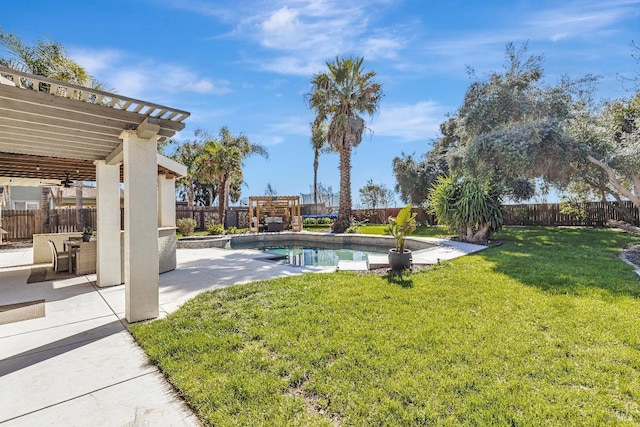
<point>42,119</point>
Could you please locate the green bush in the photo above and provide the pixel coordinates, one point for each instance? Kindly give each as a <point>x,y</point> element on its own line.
<point>232,230</point>
<point>215,229</point>
<point>309,221</point>
<point>186,226</point>
<point>575,208</point>
<point>353,229</point>
<point>325,221</point>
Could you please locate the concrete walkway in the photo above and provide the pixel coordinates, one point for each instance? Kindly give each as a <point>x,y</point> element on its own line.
<point>79,366</point>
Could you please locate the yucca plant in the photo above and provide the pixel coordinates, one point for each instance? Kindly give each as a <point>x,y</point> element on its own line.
<point>467,206</point>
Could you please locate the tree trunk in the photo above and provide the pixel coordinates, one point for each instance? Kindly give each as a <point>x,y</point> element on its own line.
<point>315,180</point>
<point>222,197</point>
<point>615,182</point>
<point>469,236</point>
<point>344,206</point>
<point>482,235</point>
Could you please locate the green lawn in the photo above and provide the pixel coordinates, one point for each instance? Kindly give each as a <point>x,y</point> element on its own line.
<point>541,330</point>
<point>423,230</point>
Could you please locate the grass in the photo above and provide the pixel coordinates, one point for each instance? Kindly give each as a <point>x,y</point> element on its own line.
<point>422,231</point>
<point>541,330</point>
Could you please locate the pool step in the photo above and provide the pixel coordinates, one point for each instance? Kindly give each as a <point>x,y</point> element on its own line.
<point>378,261</point>
<point>344,265</point>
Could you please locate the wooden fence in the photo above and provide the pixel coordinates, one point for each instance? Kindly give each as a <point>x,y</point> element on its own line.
<point>591,214</point>
<point>23,224</point>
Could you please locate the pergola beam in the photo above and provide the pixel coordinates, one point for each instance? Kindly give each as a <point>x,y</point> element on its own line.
<point>115,157</point>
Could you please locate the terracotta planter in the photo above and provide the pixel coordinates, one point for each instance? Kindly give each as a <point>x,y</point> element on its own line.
<point>399,261</point>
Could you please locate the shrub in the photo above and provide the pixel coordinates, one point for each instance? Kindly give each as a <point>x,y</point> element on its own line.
<point>575,208</point>
<point>232,230</point>
<point>353,229</point>
<point>309,221</point>
<point>186,226</point>
<point>215,229</point>
<point>467,206</point>
<point>325,221</point>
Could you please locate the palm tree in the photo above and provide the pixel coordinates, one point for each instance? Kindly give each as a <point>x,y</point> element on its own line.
<point>190,155</point>
<point>318,142</point>
<point>45,58</point>
<point>224,159</point>
<point>339,96</point>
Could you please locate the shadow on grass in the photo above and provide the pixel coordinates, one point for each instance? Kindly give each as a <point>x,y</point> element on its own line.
<point>566,260</point>
<point>399,278</point>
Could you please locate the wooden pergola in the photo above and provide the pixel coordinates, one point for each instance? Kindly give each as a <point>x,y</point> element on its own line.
<point>261,208</point>
<point>51,130</point>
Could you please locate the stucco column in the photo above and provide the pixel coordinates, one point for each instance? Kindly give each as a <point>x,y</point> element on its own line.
<point>166,201</point>
<point>140,227</point>
<point>108,216</point>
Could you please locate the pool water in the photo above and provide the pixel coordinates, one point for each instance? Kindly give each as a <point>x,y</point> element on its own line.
<point>300,256</point>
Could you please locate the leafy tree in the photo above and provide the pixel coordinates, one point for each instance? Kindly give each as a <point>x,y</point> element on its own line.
<point>467,206</point>
<point>339,96</point>
<point>511,127</point>
<point>374,196</point>
<point>610,142</point>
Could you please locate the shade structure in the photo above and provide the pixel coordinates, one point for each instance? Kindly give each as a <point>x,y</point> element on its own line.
<point>51,130</point>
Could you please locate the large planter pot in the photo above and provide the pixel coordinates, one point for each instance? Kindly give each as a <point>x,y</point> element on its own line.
<point>86,237</point>
<point>399,261</point>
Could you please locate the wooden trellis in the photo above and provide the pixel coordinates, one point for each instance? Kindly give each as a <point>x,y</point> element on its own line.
<point>264,210</point>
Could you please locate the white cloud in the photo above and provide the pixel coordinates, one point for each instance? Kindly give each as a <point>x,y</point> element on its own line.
<point>131,76</point>
<point>304,34</point>
<point>581,19</point>
<point>96,61</point>
<point>413,122</point>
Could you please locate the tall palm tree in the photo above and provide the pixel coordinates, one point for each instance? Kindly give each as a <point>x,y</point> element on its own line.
<point>318,142</point>
<point>224,159</point>
<point>339,97</point>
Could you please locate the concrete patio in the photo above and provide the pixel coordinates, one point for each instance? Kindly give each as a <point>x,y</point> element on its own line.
<point>78,365</point>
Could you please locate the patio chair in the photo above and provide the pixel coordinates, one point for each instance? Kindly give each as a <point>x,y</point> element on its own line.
<point>61,260</point>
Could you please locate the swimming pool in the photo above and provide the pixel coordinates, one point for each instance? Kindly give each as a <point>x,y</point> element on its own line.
<point>318,255</point>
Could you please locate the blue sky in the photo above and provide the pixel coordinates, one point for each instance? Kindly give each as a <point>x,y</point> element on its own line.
<point>247,64</point>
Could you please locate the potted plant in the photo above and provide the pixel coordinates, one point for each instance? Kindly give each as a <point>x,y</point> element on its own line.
<point>87,232</point>
<point>399,228</point>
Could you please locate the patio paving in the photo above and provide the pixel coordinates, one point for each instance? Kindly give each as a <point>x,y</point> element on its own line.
<point>78,365</point>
